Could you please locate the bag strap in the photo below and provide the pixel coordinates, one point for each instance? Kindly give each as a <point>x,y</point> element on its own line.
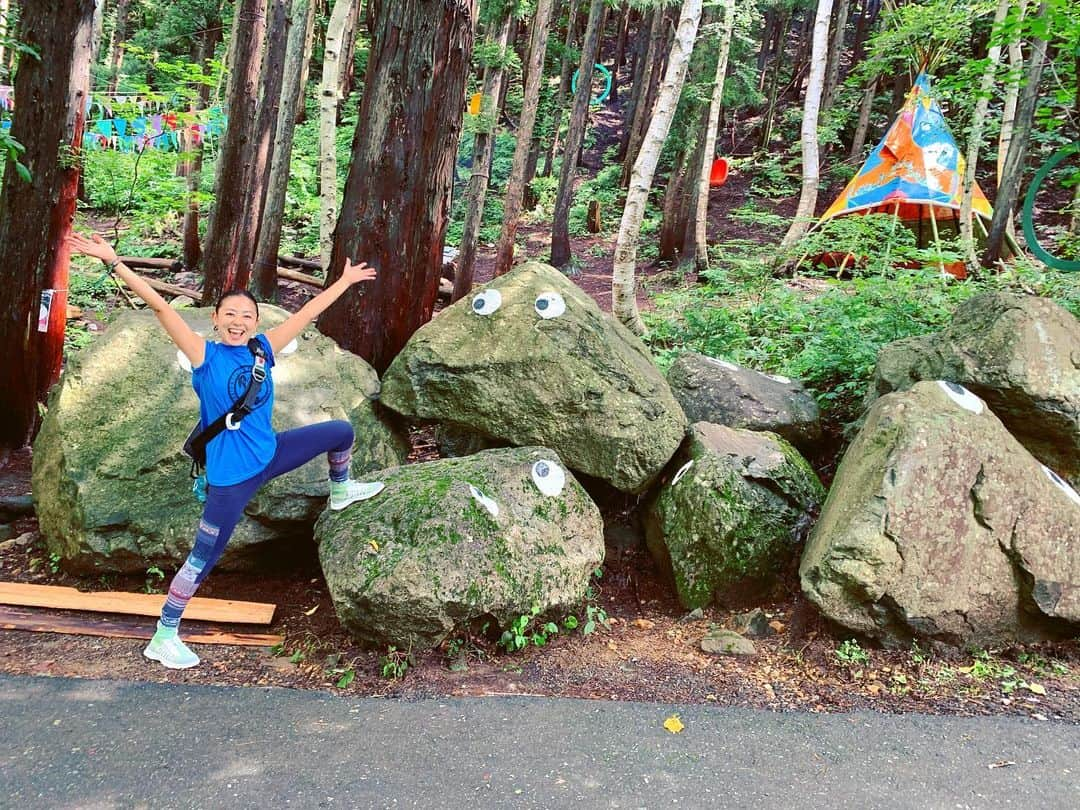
<point>230,420</point>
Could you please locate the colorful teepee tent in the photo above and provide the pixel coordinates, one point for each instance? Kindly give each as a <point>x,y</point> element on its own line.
<point>915,173</point>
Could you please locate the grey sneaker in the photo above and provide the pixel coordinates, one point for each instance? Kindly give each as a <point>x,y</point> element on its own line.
<point>344,493</point>
<point>171,652</point>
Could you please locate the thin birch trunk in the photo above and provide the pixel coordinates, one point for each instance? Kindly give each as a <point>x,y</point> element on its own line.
<point>305,64</point>
<point>700,245</point>
<point>811,105</point>
<point>858,141</point>
<point>986,86</point>
<point>1008,112</point>
<point>328,110</point>
<point>566,71</point>
<point>623,287</point>
<point>836,50</point>
<point>119,37</point>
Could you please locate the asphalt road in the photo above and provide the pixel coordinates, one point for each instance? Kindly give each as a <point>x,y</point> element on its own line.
<point>101,744</point>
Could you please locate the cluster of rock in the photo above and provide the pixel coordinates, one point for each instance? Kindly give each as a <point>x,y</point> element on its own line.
<point>942,522</point>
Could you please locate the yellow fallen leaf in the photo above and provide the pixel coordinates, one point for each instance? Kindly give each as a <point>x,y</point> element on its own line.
<point>311,612</point>
<point>644,624</point>
<point>1037,688</point>
<point>373,544</point>
<point>674,724</point>
<point>777,626</point>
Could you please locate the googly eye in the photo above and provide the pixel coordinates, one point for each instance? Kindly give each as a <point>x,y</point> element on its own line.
<point>723,363</point>
<point>289,348</point>
<point>961,396</point>
<point>778,378</point>
<point>484,501</point>
<point>486,302</point>
<point>182,361</point>
<point>548,477</point>
<point>549,305</point>
<point>682,471</point>
<point>1062,484</point>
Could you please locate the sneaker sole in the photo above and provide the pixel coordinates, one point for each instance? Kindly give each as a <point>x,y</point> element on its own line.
<point>337,507</point>
<point>166,664</point>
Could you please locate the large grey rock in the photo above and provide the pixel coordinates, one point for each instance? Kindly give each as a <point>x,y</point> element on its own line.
<point>581,383</point>
<point>111,484</point>
<point>427,555</point>
<point>1019,353</point>
<point>940,525</point>
<point>712,390</point>
<point>733,513</point>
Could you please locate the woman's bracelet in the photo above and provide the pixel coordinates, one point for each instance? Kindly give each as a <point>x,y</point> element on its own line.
<point>111,266</point>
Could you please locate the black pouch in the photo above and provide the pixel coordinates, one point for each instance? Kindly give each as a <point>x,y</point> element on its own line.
<point>196,451</point>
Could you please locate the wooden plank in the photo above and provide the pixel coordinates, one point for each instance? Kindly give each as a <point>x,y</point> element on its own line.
<point>296,275</point>
<point>135,604</point>
<point>12,618</point>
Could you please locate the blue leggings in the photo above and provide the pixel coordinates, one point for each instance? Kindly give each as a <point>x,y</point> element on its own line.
<point>225,505</point>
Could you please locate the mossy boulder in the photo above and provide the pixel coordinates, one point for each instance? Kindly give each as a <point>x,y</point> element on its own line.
<point>942,526</point>
<point>716,391</point>
<point>111,485</point>
<point>455,542</point>
<point>731,513</point>
<point>580,383</point>
<point>1018,353</point>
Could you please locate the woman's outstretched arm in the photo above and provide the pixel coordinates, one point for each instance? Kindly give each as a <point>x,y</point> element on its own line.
<point>186,339</point>
<point>281,336</point>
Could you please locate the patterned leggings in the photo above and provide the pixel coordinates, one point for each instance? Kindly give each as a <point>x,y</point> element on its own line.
<point>225,505</point>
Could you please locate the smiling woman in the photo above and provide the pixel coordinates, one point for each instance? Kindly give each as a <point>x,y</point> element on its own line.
<point>242,450</point>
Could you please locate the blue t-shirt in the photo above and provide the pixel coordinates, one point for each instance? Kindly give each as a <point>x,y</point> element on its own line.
<point>235,455</point>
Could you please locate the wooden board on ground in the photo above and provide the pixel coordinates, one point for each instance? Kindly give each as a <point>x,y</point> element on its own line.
<point>136,604</point>
<point>13,618</point>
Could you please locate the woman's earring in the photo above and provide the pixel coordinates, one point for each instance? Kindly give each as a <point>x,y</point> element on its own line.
<point>215,327</point>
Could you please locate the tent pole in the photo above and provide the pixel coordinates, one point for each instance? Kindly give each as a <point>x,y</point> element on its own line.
<point>937,239</point>
<point>892,231</point>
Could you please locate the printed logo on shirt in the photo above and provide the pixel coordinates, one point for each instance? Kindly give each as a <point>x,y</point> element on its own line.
<point>238,385</point>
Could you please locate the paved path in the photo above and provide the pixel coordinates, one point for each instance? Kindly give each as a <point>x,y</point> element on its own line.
<point>101,744</point>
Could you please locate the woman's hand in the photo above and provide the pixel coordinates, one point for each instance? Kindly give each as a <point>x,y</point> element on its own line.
<point>354,273</point>
<point>94,246</point>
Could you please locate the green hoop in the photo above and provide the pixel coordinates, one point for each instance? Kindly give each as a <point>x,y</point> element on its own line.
<point>1029,205</point>
<point>607,83</point>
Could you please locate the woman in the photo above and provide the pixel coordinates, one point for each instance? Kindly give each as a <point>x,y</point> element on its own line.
<point>242,458</point>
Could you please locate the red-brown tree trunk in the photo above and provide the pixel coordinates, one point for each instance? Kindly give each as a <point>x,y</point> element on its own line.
<point>35,216</point>
<point>230,237</point>
<point>394,211</point>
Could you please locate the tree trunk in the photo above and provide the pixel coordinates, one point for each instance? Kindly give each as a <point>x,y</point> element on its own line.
<point>698,250</point>
<point>264,283</point>
<point>394,211</point>
<point>623,293</point>
<point>625,17</point>
<point>641,73</point>
<point>230,237</point>
<point>1009,185</point>
<point>672,218</point>
<point>864,25</point>
<point>5,6</point>
<point>347,68</point>
<point>774,85</point>
<point>858,141</point>
<point>655,64</point>
<point>836,50</point>
<point>266,253</point>
<point>35,216</point>
<point>986,86</point>
<point>1008,112</point>
<point>328,111</point>
<point>305,64</point>
<point>565,74</point>
<point>515,184</point>
<point>560,224</point>
<point>119,37</point>
<point>814,85</point>
<point>483,147</point>
<point>192,247</point>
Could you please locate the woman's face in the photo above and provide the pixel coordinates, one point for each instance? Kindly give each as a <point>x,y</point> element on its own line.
<point>236,320</point>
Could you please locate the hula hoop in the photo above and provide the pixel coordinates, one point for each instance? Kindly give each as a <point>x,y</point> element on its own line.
<point>607,83</point>
<point>1029,205</point>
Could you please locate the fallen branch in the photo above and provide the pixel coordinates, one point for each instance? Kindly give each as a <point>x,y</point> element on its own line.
<point>296,275</point>
<point>296,261</point>
<point>174,265</point>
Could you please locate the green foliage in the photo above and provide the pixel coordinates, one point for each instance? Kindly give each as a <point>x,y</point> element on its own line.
<point>395,663</point>
<point>850,652</point>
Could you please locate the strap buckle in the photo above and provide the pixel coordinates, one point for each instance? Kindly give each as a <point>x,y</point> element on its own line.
<point>229,425</point>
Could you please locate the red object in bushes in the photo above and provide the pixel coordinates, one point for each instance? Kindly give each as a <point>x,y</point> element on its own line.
<point>718,174</point>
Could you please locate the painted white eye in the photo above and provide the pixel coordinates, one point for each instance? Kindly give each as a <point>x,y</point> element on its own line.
<point>182,361</point>
<point>548,477</point>
<point>484,501</point>
<point>549,305</point>
<point>289,348</point>
<point>779,378</point>
<point>486,302</point>
<point>723,363</point>
<point>961,396</point>
<point>682,471</point>
<point>1062,484</point>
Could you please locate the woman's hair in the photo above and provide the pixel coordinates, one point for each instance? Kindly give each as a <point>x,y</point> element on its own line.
<point>242,293</point>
